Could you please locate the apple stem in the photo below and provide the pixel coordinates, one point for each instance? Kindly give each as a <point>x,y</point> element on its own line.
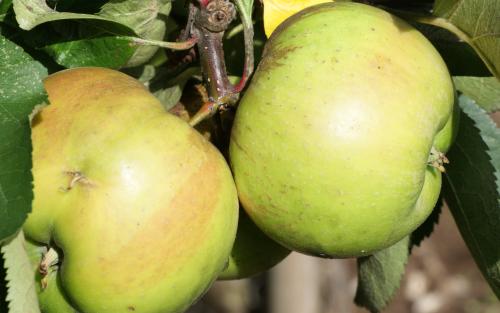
<point>207,22</point>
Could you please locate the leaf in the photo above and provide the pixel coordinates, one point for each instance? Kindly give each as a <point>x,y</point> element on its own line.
<point>144,52</point>
<point>484,90</point>
<point>4,7</point>
<point>426,229</point>
<point>139,15</point>
<point>112,29</point>
<point>31,13</point>
<point>276,11</point>
<point>115,27</point>
<point>146,18</point>
<point>475,22</point>
<point>21,295</point>
<point>170,95</point>
<point>108,51</point>
<point>379,276</point>
<point>471,188</point>
<point>147,74</point>
<point>21,90</point>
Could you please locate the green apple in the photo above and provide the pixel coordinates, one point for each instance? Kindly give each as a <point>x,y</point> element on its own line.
<point>253,252</point>
<point>142,208</point>
<point>333,142</point>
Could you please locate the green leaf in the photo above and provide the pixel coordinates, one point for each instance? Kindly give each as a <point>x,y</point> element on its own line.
<point>113,29</point>
<point>108,51</point>
<point>171,94</point>
<point>471,188</point>
<point>145,52</point>
<point>139,15</point>
<point>475,22</point>
<point>379,276</point>
<point>4,7</point>
<point>21,90</point>
<point>21,295</point>
<point>146,18</point>
<point>484,90</point>
<point>31,13</point>
<point>145,74</point>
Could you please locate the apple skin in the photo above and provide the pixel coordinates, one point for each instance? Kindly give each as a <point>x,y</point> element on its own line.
<point>152,222</point>
<point>331,141</point>
<point>253,252</point>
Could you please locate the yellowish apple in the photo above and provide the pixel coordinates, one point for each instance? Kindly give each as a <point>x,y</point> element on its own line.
<point>142,207</point>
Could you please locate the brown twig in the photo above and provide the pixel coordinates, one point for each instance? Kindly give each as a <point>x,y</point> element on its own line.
<point>207,22</point>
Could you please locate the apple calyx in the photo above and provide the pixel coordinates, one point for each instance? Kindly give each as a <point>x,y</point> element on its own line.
<point>48,264</point>
<point>76,177</point>
<point>437,159</point>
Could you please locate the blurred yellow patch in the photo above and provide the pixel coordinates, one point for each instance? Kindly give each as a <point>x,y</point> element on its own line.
<point>276,11</point>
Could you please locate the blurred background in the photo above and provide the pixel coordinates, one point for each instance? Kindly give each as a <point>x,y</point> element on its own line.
<point>441,277</point>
